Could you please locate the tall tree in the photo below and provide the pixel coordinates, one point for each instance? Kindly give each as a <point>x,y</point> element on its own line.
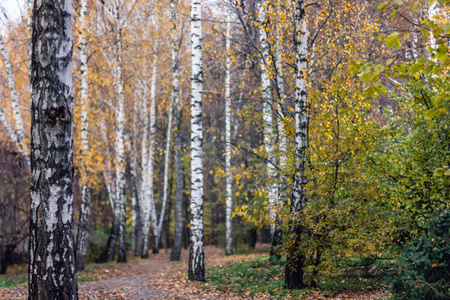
<point>277,238</point>
<point>228,175</point>
<point>120,140</point>
<point>196,253</point>
<point>294,257</point>
<point>269,138</point>
<point>148,203</point>
<point>52,260</point>
<point>175,45</point>
<point>82,234</point>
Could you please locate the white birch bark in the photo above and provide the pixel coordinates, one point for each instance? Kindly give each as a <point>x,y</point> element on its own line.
<point>52,273</point>
<point>85,192</point>
<point>14,101</point>
<point>120,144</point>
<point>228,175</point>
<point>166,178</point>
<point>294,259</point>
<point>277,238</point>
<point>144,203</point>
<point>269,138</point>
<point>178,232</point>
<point>149,211</point>
<point>196,252</point>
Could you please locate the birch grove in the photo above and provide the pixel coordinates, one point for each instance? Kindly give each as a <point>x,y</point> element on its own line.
<point>289,124</point>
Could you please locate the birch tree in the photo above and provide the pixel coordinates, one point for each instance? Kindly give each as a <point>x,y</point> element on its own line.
<point>82,235</point>
<point>148,203</point>
<point>269,138</point>
<point>176,99</point>
<point>228,175</point>
<point>196,253</point>
<point>120,142</point>
<point>295,259</point>
<point>52,273</point>
<point>277,238</point>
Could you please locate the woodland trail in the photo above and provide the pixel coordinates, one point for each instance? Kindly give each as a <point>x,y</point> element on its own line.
<point>157,278</point>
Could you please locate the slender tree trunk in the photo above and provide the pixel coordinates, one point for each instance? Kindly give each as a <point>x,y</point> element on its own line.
<point>159,225</point>
<point>228,175</point>
<point>294,257</point>
<point>120,206</point>
<point>83,227</point>
<point>196,253</point>
<point>20,133</point>
<point>178,234</point>
<point>269,138</point>
<point>277,239</point>
<point>143,195</point>
<point>52,270</point>
<point>149,212</point>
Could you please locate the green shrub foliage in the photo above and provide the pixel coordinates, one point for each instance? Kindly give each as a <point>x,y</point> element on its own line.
<point>427,269</point>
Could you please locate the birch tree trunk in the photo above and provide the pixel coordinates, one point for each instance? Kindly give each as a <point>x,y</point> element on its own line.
<point>120,151</point>
<point>144,204</point>
<point>149,212</point>
<point>277,238</point>
<point>229,179</point>
<point>295,259</point>
<point>269,138</point>
<point>178,234</point>
<point>20,133</point>
<point>52,272</point>
<point>159,225</point>
<point>11,131</point>
<point>196,253</point>
<point>85,192</point>
<point>118,183</point>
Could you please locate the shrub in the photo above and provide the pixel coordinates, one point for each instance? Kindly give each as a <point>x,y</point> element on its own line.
<point>426,274</point>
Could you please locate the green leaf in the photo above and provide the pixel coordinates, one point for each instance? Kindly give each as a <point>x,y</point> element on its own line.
<point>425,32</point>
<point>441,52</point>
<point>415,6</point>
<point>378,68</point>
<point>383,5</point>
<point>430,2</point>
<point>364,76</point>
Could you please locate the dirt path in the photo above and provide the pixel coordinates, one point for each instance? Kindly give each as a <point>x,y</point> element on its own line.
<point>150,278</point>
<point>157,278</point>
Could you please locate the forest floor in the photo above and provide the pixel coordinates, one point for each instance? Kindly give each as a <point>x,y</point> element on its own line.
<point>157,278</point>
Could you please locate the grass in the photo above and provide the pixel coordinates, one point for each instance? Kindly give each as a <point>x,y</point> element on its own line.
<point>259,276</point>
<point>10,281</point>
<point>251,277</point>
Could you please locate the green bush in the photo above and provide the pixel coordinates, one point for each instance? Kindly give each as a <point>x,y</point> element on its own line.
<point>426,274</point>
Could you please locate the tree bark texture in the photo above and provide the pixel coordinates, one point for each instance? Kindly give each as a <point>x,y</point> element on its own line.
<point>294,257</point>
<point>83,227</point>
<point>178,234</point>
<point>277,239</point>
<point>148,209</point>
<point>52,272</point>
<point>269,138</point>
<point>196,254</point>
<point>228,175</point>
